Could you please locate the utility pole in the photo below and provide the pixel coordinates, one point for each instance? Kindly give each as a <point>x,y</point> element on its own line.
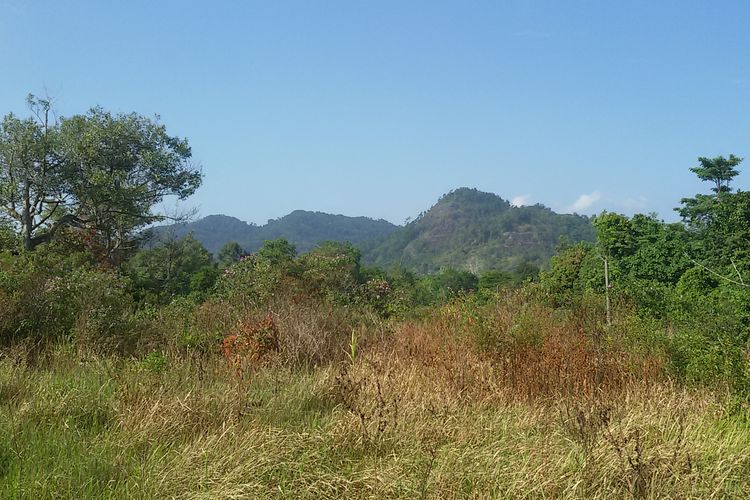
<point>606,290</point>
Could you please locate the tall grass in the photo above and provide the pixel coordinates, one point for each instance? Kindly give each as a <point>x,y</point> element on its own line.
<point>509,399</point>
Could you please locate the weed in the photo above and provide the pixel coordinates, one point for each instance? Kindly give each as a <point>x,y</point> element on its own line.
<point>369,397</point>
<point>155,362</point>
<point>585,422</point>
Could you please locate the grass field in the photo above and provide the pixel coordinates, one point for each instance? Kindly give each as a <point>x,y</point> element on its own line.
<point>413,411</point>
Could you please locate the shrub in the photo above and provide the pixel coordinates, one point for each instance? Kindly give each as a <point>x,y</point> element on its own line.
<point>65,299</point>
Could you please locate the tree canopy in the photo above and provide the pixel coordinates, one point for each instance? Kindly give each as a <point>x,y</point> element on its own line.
<point>98,171</point>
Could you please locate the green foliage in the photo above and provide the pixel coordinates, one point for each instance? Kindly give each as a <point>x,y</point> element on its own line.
<point>722,238</point>
<point>333,270</point>
<point>97,171</point>
<point>495,279</point>
<point>172,268</point>
<point>710,352</point>
<point>154,362</point>
<point>9,241</point>
<point>252,280</point>
<point>278,252</point>
<point>705,303</point>
<point>566,276</point>
<point>448,283</point>
<point>701,211</point>
<point>646,258</point>
<point>229,254</point>
<point>719,170</point>
<point>49,296</point>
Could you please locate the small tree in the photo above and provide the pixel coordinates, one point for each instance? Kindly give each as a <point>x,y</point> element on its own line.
<point>230,253</point>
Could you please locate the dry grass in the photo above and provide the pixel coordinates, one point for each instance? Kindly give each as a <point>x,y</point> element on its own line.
<point>420,411</point>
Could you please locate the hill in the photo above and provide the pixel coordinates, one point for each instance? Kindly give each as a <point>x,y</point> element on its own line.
<point>303,228</point>
<point>213,231</point>
<point>307,229</point>
<point>474,230</point>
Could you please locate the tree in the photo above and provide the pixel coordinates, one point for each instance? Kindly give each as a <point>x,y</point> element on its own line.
<point>495,279</point>
<point>97,171</point>
<point>448,283</point>
<point>526,271</point>
<point>172,268</point>
<point>278,251</point>
<point>721,221</point>
<point>614,235</point>
<point>230,253</point>
<point>331,269</point>
<point>31,180</point>
<point>719,170</point>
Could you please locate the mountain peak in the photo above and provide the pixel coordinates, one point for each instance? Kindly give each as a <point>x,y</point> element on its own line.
<point>466,228</point>
<point>471,195</point>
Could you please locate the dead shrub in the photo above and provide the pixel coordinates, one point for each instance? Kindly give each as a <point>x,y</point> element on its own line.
<point>255,344</point>
<point>585,421</point>
<point>311,333</point>
<point>371,395</point>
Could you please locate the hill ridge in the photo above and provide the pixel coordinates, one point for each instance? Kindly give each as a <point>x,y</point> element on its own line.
<point>465,228</point>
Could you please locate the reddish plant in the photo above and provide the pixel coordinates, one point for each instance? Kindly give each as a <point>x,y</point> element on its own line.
<point>255,344</point>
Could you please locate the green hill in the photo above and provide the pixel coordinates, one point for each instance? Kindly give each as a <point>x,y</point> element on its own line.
<point>213,231</point>
<point>307,229</point>
<point>304,229</point>
<point>466,228</point>
<point>474,230</point>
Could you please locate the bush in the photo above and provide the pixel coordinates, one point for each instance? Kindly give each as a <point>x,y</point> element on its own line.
<point>48,297</point>
<point>710,356</point>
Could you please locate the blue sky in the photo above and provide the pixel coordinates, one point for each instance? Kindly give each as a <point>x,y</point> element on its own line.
<point>378,108</point>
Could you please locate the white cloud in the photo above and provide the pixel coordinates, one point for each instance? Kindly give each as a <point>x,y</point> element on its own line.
<point>520,200</point>
<point>585,201</point>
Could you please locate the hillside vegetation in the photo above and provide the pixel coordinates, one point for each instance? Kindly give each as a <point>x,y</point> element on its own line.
<point>466,229</point>
<point>169,372</point>
<point>477,231</point>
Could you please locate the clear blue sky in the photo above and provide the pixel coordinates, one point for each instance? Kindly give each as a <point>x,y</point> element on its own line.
<point>377,108</point>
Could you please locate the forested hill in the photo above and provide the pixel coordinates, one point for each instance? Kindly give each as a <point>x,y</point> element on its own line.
<point>213,231</point>
<point>304,229</point>
<point>307,229</point>
<point>474,230</point>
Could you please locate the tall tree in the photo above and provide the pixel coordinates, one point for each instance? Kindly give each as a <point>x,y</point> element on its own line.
<point>32,185</point>
<point>98,171</point>
<point>719,170</point>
